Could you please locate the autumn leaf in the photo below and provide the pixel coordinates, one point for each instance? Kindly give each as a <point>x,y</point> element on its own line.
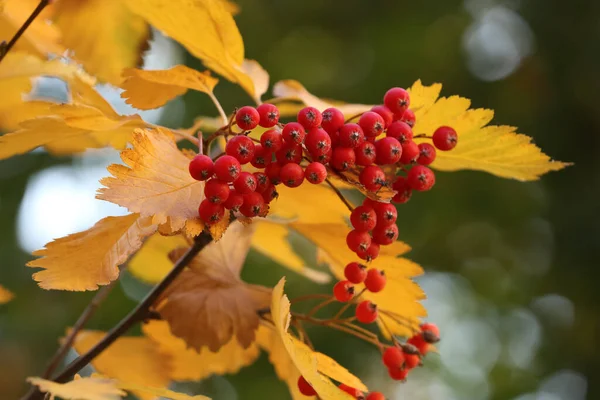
<point>151,89</point>
<point>155,392</point>
<point>135,360</point>
<point>155,182</point>
<point>189,364</point>
<point>5,295</point>
<point>151,263</point>
<point>114,40</point>
<point>84,260</point>
<point>208,303</point>
<point>80,389</point>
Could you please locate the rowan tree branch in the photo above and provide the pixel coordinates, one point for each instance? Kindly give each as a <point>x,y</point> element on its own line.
<point>5,47</point>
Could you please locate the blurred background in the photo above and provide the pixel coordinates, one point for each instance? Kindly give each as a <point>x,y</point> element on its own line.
<point>511,268</point>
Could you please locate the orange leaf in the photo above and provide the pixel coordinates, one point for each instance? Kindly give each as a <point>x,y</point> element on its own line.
<point>95,388</point>
<point>5,295</point>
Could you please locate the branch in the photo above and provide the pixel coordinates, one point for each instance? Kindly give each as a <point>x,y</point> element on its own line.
<point>5,47</point>
<point>340,195</point>
<point>136,315</point>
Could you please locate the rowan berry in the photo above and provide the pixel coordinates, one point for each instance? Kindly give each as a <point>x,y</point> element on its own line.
<point>366,312</point>
<point>375,396</point>
<point>343,291</point>
<point>262,157</point>
<point>397,100</point>
<point>210,213</point>
<point>398,374</point>
<point>227,168</point>
<point>419,342</point>
<point>234,201</point>
<point>269,115</point>
<point>315,173</point>
<point>333,119</point>
<point>323,158</point>
<point>404,190</point>
<point>289,153</point>
<point>355,272</point>
<point>262,181</point>
<point>247,118</point>
<point>269,194</point>
<point>358,240</point>
<point>317,142</point>
<point>410,152</point>
<point>389,151</point>
<point>357,394</point>
<point>305,388</point>
<point>372,124</point>
<point>291,175</point>
<point>401,131</point>
<point>420,178</point>
<point>427,154</point>
<point>431,333</point>
<point>271,140</point>
<point>201,167</point>
<point>385,113</point>
<point>384,235</point>
<point>386,214</point>
<point>393,357</point>
<point>372,178</point>
<point>245,183</point>
<point>273,172</point>
<point>363,218</point>
<point>365,154</point>
<point>376,280</point>
<point>342,158</point>
<point>408,117</point>
<point>351,135</point>
<point>412,360</point>
<point>445,138</point>
<point>253,205</point>
<point>309,117</point>
<point>293,132</point>
<point>369,254</point>
<point>216,191</point>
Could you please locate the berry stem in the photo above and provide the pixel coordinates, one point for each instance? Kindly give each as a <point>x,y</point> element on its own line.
<point>340,195</point>
<point>389,331</point>
<point>304,335</point>
<point>189,138</point>
<point>347,305</point>
<point>219,107</point>
<point>309,297</point>
<point>322,304</point>
<point>328,323</point>
<point>422,135</point>
<point>354,117</point>
<point>5,47</point>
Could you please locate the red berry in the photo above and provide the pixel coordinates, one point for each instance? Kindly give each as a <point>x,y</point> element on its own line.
<point>370,254</point>
<point>234,201</point>
<point>253,205</point>
<point>372,124</point>
<point>351,135</point>
<point>365,154</point>
<point>210,213</point>
<point>262,181</point>
<point>400,131</point>
<point>445,138</point>
<point>398,374</point>
<point>385,235</point>
<point>343,158</point>
<point>317,142</point>
<point>404,190</point>
<point>375,396</point>
<point>385,113</point>
<point>305,388</point>
<point>245,183</point>
<point>397,100</point>
<point>227,168</point>
<point>357,394</point>
<point>366,312</point>
<point>420,178</point>
<point>411,360</point>
<point>343,291</point>
<point>419,342</point>
<point>269,194</point>
<point>241,147</point>
<point>427,154</point>
<point>273,172</point>
<point>216,191</point>
<point>335,138</point>
<point>315,173</point>
<point>269,115</point>
<point>363,218</point>
<point>358,240</point>
<point>324,158</point>
<point>293,132</point>
<point>410,152</point>
<point>389,151</point>
<point>289,153</point>
<point>201,167</point>
<point>386,214</point>
<point>271,140</point>
<point>431,333</point>
<point>376,280</point>
<point>309,117</point>
<point>393,357</point>
<point>262,157</point>
<point>292,175</point>
<point>247,118</point>
<point>408,117</point>
<point>372,178</point>
<point>355,272</point>
<point>333,119</point>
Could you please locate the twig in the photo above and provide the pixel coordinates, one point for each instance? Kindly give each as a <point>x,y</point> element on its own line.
<point>316,308</point>
<point>136,315</point>
<point>219,107</point>
<point>78,326</point>
<point>348,304</point>
<point>340,195</point>
<point>309,297</point>
<point>5,47</point>
<point>353,117</point>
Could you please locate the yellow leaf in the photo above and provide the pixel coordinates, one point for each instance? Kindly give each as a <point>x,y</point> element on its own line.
<point>80,389</point>
<point>498,150</point>
<point>151,89</point>
<point>303,358</point>
<point>152,262</point>
<point>291,89</point>
<point>188,364</point>
<point>271,240</point>
<point>114,40</point>
<point>208,303</point>
<point>5,295</point>
<point>135,360</point>
<point>84,260</point>
<point>156,181</point>
<point>329,367</point>
<point>259,77</point>
<point>158,392</point>
<point>207,30</point>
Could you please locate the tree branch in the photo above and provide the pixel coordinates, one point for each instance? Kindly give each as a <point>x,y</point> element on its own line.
<point>5,47</point>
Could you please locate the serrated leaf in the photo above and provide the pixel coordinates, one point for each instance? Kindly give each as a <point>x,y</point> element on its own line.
<point>151,89</point>
<point>5,295</point>
<point>84,260</point>
<point>161,393</point>
<point>80,389</point>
